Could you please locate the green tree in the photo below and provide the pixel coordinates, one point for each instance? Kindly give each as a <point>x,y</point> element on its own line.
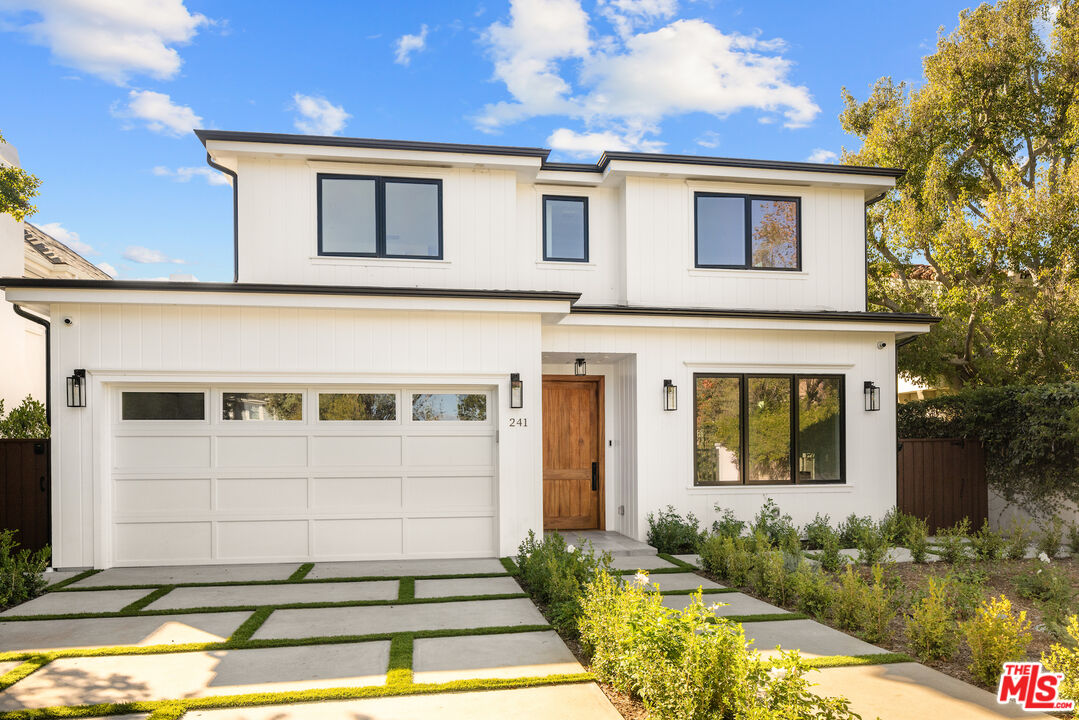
<point>990,200</point>
<point>17,187</point>
<point>27,421</point>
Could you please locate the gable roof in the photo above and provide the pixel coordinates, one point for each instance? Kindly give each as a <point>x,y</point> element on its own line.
<point>55,253</point>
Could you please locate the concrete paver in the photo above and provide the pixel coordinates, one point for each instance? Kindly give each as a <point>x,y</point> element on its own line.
<point>736,604</point>
<point>691,558</point>
<point>466,586</point>
<point>8,666</point>
<point>228,595</point>
<point>77,681</point>
<point>105,632</point>
<point>809,637</point>
<point>189,573</point>
<point>910,691</point>
<point>56,576</point>
<point>639,562</point>
<point>399,618</point>
<point>582,701</point>
<point>680,581</point>
<point>91,601</point>
<point>371,568</point>
<point>512,655</point>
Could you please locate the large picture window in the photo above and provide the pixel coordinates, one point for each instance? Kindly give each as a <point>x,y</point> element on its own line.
<point>748,232</point>
<point>768,429</point>
<point>379,217</point>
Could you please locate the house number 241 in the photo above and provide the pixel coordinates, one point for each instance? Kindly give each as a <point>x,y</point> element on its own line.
<point>518,422</point>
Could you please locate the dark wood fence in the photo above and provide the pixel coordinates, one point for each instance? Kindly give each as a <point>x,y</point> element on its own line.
<point>943,481</point>
<point>24,490</point>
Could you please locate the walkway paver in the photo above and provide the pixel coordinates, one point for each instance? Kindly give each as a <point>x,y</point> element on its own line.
<point>681,581</point>
<point>438,660</point>
<point>188,574</point>
<point>91,601</point>
<point>691,558</point>
<point>736,604</point>
<point>57,576</point>
<point>615,543</point>
<point>911,691</point>
<point>105,632</point>
<point>79,681</point>
<point>810,638</point>
<point>228,595</point>
<point>639,562</point>
<point>6,666</point>
<point>399,618</point>
<point>371,568</point>
<point>583,701</point>
<point>460,587</point>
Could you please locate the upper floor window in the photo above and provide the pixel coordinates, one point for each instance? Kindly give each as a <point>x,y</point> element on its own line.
<point>750,232</point>
<point>379,217</point>
<point>565,228</point>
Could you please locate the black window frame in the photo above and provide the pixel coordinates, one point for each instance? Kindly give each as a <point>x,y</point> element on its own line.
<point>748,264</point>
<point>743,428</point>
<point>565,198</point>
<point>380,215</point>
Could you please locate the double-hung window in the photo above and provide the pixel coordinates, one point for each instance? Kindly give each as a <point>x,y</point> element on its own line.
<point>768,429</point>
<point>748,232</point>
<point>565,228</point>
<point>363,216</point>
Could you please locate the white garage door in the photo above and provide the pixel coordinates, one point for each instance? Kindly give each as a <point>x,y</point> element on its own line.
<point>239,474</point>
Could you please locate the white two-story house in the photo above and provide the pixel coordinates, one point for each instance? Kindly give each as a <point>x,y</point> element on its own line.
<point>431,349</point>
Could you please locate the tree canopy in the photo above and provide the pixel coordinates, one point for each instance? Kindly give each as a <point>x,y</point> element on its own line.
<point>17,188</point>
<point>990,200</point>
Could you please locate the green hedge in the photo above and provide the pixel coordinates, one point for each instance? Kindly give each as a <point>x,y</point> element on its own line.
<point>1030,436</point>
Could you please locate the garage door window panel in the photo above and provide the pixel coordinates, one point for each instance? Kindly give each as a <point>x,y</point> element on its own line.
<point>163,405</point>
<point>357,407</point>
<point>449,407</point>
<point>258,406</point>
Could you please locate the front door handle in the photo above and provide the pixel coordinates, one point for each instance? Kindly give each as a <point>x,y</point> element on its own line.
<point>595,476</point>
<point>41,483</point>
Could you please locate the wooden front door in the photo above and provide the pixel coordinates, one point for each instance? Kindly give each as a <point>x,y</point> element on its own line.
<point>573,452</point>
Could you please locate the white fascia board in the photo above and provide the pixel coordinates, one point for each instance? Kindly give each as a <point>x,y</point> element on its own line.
<point>739,323</point>
<point>287,300</point>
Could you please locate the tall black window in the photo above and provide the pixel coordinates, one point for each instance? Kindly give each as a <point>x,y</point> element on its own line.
<point>747,231</point>
<point>565,228</point>
<point>768,429</point>
<point>379,217</point>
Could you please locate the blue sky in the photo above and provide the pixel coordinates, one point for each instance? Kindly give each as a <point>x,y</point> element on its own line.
<point>100,96</point>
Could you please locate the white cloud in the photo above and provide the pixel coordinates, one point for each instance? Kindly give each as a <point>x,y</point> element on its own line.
<point>553,62</point>
<point>143,255</point>
<point>159,112</point>
<point>184,174</point>
<point>408,44</point>
<point>318,116</point>
<point>708,139</point>
<point>591,144</point>
<point>67,237</point>
<point>108,269</point>
<point>820,155</point>
<point>112,39</point>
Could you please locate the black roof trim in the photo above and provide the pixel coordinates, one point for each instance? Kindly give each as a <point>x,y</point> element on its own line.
<point>757,314</point>
<point>541,153</point>
<point>170,286</point>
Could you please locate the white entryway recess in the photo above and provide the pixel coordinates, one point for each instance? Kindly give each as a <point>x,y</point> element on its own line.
<point>216,490</point>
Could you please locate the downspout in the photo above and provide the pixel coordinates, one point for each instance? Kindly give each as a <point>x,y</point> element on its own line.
<point>235,215</point>
<point>48,358</point>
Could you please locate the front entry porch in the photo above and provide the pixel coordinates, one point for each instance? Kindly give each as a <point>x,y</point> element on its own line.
<point>617,544</point>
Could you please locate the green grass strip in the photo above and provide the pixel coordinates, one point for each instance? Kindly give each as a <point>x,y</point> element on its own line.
<point>73,579</point>
<point>301,572</point>
<point>286,698</point>
<point>250,608</point>
<point>243,633</point>
<point>257,644</point>
<point>168,711</point>
<point>510,565</point>
<point>675,561</point>
<point>831,661</point>
<point>142,602</point>
<point>406,590</point>
<point>765,617</point>
<point>311,581</point>
<point>400,669</point>
<point>29,665</point>
<point>652,571</point>
<point>707,591</point>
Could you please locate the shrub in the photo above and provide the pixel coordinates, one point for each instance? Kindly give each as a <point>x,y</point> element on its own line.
<point>829,557</point>
<point>898,526</point>
<point>996,635</point>
<point>1050,587</point>
<point>670,533</point>
<point>1064,658</point>
<point>1049,539</point>
<point>715,552</point>
<point>779,528</point>
<point>987,544</point>
<point>916,539</point>
<point>1018,539</point>
<point>931,627</point>
<point>878,608</point>
<point>952,542</point>
<point>775,570</point>
<point>851,528</point>
<point>818,531</point>
<point>1073,539</point>
<point>688,665</point>
<point>873,545</point>
<point>814,591</point>
<point>556,573</point>
<point>966,588</point>
<point>20,571</point>
<point>728,524</point>
<point>848,600</point>
<point>27,421</point>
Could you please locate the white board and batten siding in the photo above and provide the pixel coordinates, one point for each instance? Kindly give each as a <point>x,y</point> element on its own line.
<point>213,465</point>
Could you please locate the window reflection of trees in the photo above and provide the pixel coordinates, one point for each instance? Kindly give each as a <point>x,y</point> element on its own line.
<point>357,406</point>
<point>262,406</point>
<point>775,233</point>
<point>468,407</point>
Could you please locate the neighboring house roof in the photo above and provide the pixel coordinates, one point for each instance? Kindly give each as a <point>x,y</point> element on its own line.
<point>47,257</point>
<point>921,272</point>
